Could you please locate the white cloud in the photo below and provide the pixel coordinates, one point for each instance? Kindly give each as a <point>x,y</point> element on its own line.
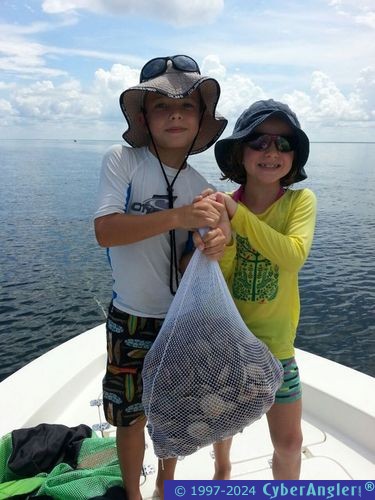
<point>62,6</point>
<point>45,101</point>
<point>314,58</point>
<point>6,86</point>
<point>95,54</point>
<point>365,86</point>
<point>360,11</point>
<point>194,12</point>
<point>237,93</point>
<point>118,78</point>
<point>324,103</point>
<point>5,107</point>
<point>331,104</point>
<point>212,66</point>
<point>6,113</point>
<point>108,86</point>
<point>22,56</point>
<point>34,28</point>
<point>301,103</point>
<point>366,19</point>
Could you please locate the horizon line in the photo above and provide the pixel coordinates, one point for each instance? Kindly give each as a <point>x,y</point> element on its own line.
<point>116,140</point>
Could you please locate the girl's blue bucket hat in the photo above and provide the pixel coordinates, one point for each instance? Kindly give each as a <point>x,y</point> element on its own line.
<point>246,124</point>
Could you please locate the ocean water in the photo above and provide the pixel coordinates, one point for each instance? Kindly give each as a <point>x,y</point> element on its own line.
<point>55,280</point>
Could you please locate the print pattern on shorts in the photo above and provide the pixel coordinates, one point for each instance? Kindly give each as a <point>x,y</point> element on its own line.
<point>129,338</point>
<point>255,279</point>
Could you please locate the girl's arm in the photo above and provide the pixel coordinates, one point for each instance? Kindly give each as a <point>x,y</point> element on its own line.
<point>289,250</point>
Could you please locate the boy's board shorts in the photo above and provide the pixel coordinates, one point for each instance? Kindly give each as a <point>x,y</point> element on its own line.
<point>129,338</point>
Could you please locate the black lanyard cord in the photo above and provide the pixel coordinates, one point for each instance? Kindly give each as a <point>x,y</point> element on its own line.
<point>173,264</point>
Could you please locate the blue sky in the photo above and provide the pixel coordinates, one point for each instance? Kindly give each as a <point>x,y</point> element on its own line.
<point>64,63</point>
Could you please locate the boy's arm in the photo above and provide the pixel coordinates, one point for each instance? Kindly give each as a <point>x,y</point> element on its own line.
<point>123,229</point>
<point>114,226</point>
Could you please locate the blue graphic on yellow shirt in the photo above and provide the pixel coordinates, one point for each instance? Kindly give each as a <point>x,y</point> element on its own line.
<point>256,279</point>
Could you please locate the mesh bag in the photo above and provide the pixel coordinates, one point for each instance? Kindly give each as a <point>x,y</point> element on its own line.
<point>5,451</point>
<point>97,470</point>
<point>206,376</point>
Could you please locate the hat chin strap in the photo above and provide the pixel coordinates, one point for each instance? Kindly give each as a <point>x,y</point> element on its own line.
<point>173,265</point>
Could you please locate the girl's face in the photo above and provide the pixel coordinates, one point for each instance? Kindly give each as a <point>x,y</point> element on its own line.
<point>268,166</point>
<point>173,123</point>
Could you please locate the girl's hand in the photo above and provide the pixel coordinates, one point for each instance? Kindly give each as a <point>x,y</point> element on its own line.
<point>229,202</point>
<point>224,223</point>
<point>204,194</point>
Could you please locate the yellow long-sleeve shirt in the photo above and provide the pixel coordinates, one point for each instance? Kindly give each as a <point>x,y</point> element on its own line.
<point>261,266</point>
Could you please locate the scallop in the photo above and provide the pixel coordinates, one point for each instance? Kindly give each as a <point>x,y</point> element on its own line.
<point>247,394</point>
<point>198,430</point>
<point>213,405</point>
<point>224,375</point>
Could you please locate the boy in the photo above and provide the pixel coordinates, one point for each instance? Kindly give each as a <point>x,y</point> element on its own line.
<point>144,213</point>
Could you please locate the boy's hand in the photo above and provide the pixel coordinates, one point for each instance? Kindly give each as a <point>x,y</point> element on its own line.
<point>212,243</point>
<point>230,204</point>
<point>206,212</point>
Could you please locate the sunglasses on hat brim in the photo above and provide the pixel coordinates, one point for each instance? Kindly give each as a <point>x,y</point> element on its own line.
<point>158,66</point>
<point>261,142</point>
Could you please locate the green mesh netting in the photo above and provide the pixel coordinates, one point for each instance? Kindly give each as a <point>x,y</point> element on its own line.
<point>19,487</point>
<point>6,448</point>
<point>12,484</point>
<point>5,451</point>
<point>97,471</point>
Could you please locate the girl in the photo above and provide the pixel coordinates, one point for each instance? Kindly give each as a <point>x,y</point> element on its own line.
<point>272,227</point>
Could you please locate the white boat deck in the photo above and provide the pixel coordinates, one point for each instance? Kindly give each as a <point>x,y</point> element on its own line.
<point>338,418</point>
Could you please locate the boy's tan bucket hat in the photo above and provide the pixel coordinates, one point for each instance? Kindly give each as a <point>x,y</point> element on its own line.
<point>175,84</point>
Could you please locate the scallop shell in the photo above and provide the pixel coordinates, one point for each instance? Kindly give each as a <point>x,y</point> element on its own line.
<point>198,430</point>
<point>213,405</point>
<point>224,375</point>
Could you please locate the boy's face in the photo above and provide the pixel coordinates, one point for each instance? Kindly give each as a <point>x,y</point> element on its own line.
<point>270,165</point>
<point>173,123</point>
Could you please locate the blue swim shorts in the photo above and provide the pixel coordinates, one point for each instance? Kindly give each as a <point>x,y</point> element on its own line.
<point>291,389</point>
